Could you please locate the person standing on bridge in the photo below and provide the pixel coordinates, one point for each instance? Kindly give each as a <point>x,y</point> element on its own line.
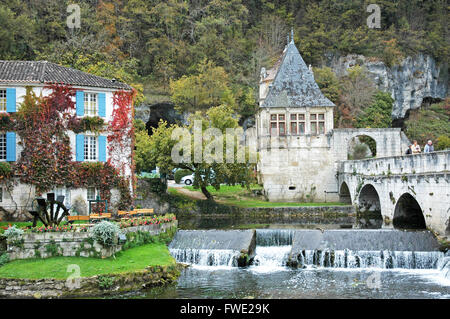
<point>429,148</point>
<point>415,148</point>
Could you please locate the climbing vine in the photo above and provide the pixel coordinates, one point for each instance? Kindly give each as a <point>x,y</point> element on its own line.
<point>46,157</point>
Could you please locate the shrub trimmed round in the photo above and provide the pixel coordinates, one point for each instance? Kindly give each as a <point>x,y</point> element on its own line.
<point>179,174</point>
<point>106,233</point>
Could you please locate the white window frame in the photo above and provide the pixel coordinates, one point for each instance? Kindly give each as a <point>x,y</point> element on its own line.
<point>90,150</point>
<point>279,119</point>
<point>314,118</point>
<point>90,104</point>
<point>66,192</point>
<point>3,102</point>
<point>3,152</point>
<point>96,193</point>
<point>295,120</point>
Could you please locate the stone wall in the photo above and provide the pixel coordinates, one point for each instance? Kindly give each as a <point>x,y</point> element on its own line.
<point>89,286</point>
<point>44,245</point>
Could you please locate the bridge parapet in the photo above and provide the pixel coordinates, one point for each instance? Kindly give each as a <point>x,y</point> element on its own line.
<point>425,163</point>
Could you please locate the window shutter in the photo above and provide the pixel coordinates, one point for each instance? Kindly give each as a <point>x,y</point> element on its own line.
<point>10,146</point>
<point>10,100</point>
<point>80,103</point>
<point>79,148</point>
<point>101,104</point>
<point>102,148</point>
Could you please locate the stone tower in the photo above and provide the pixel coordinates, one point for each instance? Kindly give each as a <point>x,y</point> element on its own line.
<point>294,127</point>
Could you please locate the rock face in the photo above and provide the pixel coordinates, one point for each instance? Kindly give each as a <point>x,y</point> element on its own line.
<point>416,79</point>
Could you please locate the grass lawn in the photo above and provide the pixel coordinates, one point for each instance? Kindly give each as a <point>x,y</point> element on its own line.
<point>238,196</point>
<point>56,267</point>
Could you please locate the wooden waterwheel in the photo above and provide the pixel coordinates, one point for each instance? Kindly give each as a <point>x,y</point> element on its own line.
<point>48,210</point>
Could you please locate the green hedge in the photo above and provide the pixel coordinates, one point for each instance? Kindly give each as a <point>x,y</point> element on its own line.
<point>180,174</point>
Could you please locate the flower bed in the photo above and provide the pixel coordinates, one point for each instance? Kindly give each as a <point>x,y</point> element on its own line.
<point>65,228</point>
<point>143,221</point>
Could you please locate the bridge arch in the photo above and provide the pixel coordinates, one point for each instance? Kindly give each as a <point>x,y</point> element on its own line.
<point>369,207</point>
<point>361,146</point>
<point>408,214</point>
<point>344,194</point>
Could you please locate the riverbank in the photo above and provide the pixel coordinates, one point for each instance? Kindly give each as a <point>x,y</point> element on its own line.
<point>130,270</point>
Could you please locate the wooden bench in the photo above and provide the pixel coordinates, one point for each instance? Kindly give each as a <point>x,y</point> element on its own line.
<point>134,212</point>
<point>75,218</point>
<point>98,216</point>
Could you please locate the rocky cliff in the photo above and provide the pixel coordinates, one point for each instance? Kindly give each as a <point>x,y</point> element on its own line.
<point>414,81</point>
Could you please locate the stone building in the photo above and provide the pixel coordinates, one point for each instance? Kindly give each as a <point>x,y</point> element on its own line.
<point>298,145</point>
<point>93,98</point>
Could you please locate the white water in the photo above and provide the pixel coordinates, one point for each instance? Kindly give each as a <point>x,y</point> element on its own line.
<point>371,259</point>
<point>271,258</point>
<point>206,257</point>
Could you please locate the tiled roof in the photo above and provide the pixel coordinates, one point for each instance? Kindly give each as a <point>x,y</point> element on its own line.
<point>47,72</point>
<point>294,84</point>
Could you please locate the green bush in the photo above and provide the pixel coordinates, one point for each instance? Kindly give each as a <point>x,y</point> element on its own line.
<point>106,233</point>
<point>443,142</point>
<point>13,232</point>
<point>4,258</point>
<point>157,185</point>
<point>179,174</point>
<point>5,169</point>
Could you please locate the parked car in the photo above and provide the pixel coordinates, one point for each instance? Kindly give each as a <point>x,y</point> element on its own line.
<point>188,179</point>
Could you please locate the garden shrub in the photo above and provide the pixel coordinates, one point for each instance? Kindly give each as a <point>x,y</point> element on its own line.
<point>179,174</point>
<point>13,232</point>
<point>157,185</point>
<point>106,233</point>
<point>443,142</point>
<point>4,258</point>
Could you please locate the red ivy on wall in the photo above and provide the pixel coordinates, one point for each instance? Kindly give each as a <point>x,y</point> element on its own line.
<point>121,137</point>
<point>46,158</point>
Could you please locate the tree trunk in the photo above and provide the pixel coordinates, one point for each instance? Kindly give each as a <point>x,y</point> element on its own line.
<point>206,193</point>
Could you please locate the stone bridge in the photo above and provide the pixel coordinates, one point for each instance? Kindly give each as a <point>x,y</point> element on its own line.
<point>410,191</point>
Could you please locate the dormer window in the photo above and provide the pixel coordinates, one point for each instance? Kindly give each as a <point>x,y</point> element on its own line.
<point>90,104</point>
<point>277,124</point>
<point>2,100</point>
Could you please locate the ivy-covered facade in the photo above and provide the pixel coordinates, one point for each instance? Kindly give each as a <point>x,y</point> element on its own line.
<point>63,131</point>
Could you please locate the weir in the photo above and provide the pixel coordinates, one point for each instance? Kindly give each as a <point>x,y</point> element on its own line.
<point>272,249</point>
<point>214,247</point>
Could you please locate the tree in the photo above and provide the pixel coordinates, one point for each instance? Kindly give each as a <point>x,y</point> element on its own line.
<point>328,83</point>
<point>209,88</point>
<point>357,93</point>
<point>378,114</point>
<point>213,168</point>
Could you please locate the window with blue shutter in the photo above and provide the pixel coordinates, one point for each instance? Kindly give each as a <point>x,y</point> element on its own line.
<point>102,104</point>
<point>102,148</point>
<point>80,103</point>
<point>10,146</point>
<point>10,100</point>
<point>79,147</point>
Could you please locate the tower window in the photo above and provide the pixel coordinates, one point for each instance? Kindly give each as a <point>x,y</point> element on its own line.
<point>317,122</point>
<point>277,124</point>
<point>297,124</point>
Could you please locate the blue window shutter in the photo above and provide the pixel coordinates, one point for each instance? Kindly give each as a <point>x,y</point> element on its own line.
<point>10,100</point>
<point>79,148</point>
<point>102,148</point>
<point>10,146</point>
<point>80,103</point>
<point>101,104</point>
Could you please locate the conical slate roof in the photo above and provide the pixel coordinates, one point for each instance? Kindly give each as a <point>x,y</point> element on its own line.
<point>294,84</point>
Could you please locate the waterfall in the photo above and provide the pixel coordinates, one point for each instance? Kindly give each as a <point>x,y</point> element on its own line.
<point>274,237</point>
<point>272,256</point>
<point>370,259</point>
<point>206,257</point>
